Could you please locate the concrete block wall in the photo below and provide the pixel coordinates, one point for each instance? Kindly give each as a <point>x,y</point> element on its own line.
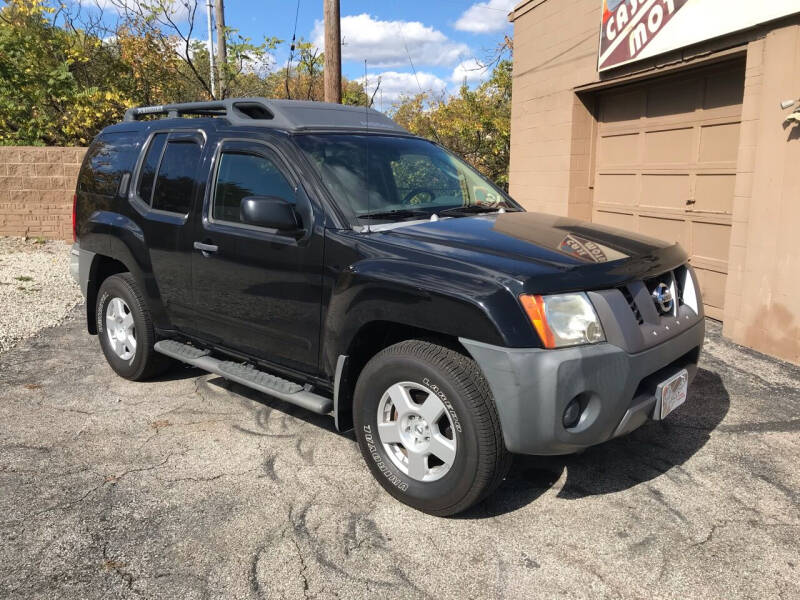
<point>762,298</point>
<point>550,128</point>
<point>36,189</point>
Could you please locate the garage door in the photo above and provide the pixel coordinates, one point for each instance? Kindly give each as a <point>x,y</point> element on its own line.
<point>666,165</point>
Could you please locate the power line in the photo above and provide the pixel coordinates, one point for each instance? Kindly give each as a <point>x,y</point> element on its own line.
<point>296,15</point>
<point>291,50</point>
<point>414,70</point>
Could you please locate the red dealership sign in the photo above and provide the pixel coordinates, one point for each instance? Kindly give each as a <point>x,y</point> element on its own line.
<point>637,29</point>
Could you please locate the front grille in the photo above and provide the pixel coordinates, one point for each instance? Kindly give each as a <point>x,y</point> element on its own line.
<point>645,290</point>
<point>632,304</point>
<point>665,281</point>
<point>680,277</point>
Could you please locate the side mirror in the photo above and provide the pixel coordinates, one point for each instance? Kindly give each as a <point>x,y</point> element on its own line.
<point>271,212</point>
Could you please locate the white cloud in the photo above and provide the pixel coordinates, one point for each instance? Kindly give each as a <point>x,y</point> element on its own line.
<point>262,67</point>
<point>395,85</point>
<point>178,11</point>
<point>486,17</point>
<point>471,69</point>
<point>384,43</point>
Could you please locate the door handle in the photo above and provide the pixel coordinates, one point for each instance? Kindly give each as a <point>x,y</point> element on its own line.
<point>206,249</point>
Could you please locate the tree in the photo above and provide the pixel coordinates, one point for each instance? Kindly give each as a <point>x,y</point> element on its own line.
<point>475,124</point>
<point>157,19</point>
<point>65,73</point>
<point>42,100</point>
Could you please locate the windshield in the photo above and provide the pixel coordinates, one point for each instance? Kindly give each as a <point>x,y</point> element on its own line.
<point>407,177</point>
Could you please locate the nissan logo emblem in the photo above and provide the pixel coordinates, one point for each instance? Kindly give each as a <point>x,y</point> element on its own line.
<point>662,296</point>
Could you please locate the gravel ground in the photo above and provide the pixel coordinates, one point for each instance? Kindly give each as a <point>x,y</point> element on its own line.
<point>192,487</point>
<point>36,289</point>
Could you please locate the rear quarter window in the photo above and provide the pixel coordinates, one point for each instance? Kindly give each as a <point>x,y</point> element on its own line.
<point>110,156</point>
<point>148,173</point>
<point>174,187</point>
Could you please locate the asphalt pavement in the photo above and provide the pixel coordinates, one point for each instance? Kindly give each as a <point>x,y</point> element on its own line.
<point>192,487</point>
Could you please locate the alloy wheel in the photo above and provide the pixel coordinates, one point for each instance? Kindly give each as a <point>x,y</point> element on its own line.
<point>417,431</point>
<point>120,329</point>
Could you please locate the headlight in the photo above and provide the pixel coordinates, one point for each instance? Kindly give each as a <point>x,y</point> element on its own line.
<point>563,319</point>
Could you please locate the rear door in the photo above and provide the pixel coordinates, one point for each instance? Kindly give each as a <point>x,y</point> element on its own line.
<point>257,291</point>
<point>165,190</point>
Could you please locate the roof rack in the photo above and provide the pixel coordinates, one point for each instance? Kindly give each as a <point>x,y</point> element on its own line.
<point>290,115</point>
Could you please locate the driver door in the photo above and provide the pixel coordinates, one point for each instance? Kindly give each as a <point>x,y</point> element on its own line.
<point>257,290</point>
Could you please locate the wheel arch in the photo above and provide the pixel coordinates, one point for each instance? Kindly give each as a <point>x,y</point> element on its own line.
<point>102,268</point>
<point>369,340</point>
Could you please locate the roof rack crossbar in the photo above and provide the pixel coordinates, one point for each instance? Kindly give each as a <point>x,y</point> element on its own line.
<point>176,110</point>
<point>290,115</point>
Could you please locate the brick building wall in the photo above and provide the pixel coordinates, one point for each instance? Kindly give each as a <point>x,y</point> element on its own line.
<point>36,188</point>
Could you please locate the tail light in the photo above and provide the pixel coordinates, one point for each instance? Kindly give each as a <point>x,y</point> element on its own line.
<point>75,217</point>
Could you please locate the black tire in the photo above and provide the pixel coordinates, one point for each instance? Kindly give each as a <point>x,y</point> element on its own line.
<point>481,460</point>
<point>145,362</point>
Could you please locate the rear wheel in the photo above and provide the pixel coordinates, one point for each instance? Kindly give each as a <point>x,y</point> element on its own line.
<point>428,428</point>
<point>125,329</point>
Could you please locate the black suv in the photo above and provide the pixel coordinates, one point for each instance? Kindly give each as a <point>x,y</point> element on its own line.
<point>324,256</point>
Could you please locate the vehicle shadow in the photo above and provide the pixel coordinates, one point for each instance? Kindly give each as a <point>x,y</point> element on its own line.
<point>647,453</point>
<point>177,372</point>
<point>266,404</point>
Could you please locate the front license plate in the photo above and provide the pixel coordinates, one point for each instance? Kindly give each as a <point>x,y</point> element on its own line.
<point>673,392</point>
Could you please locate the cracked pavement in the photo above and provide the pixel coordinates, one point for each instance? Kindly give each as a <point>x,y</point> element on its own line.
<point>192,487</point>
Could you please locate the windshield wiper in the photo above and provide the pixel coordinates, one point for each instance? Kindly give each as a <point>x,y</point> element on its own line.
<point>475,208</point>
<point>400,213</point>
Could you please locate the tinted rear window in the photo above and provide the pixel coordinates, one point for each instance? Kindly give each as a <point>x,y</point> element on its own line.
<point>109,157</point>
<point>149,166</point>
<point>176,176</point>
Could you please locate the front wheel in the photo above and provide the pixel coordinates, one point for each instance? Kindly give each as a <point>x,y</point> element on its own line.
<point>428,428</point>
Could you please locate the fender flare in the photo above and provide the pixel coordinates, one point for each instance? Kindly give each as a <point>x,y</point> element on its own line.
<point>115,236</point>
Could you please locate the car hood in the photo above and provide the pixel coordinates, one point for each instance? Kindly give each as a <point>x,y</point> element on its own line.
<point>548,252</point>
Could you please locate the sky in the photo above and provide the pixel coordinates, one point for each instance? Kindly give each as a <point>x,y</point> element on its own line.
<point>445,39</point>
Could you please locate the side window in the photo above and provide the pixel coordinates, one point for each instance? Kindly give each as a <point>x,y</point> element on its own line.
<point>147,176</point>
<point>241,175</point>
<point>109,157</point>
<point>176,176</point>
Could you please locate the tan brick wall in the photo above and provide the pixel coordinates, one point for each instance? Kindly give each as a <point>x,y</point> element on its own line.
<point>555,50</point>
<point>36,188</point>
<point>762,298</point>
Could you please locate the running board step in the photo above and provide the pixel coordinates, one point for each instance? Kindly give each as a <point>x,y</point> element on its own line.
<point>246,375</point>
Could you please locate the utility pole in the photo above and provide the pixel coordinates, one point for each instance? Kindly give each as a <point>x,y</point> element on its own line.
<point>222,49</point>
<point>209,8</point>
<point>333,52</point>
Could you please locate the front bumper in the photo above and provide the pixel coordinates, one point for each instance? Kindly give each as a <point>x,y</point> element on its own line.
<point>532,387</point>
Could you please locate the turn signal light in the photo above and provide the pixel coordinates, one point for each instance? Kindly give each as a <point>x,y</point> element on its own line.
<point>534,306</point>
